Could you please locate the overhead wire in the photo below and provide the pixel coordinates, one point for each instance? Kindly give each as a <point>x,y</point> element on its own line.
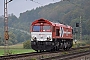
<point>35,2</point>
<point>38,2</point>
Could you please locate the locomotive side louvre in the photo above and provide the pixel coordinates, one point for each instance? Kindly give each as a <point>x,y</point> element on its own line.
<point>62,32</point>
<point>46,35</point>
<point>62,37</point>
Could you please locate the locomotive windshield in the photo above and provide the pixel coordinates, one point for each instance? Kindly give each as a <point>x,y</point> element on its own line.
<point>36,28</point>
<point>46,28</point>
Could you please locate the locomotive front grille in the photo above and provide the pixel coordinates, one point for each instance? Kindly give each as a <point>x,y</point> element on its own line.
<point>41,45</point>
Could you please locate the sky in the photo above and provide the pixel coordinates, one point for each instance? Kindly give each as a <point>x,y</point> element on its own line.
<point>19,6</point>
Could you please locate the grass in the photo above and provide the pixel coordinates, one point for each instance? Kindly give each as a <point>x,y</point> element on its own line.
<point>81,43</point>
<point>15,49</point>
<point>17,46</point>
<point>1,52</point>
<point>18,51</point>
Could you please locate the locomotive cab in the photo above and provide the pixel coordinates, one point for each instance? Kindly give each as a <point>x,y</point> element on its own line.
<point>41,35</point>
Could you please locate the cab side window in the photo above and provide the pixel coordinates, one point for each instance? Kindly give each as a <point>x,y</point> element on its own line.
<point>53,28</point>
<point>57,32</point>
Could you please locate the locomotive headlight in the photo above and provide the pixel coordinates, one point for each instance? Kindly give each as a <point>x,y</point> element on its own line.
<point>34,38</point>
<point>48,38</point>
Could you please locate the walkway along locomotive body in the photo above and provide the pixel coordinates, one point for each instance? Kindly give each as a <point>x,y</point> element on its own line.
<point>50,36</point>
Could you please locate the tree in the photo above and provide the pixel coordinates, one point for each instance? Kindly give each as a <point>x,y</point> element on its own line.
<point>27,44</point>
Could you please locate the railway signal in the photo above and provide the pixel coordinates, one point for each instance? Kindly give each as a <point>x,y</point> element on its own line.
<point>6,35</point>
<point>77,24</point>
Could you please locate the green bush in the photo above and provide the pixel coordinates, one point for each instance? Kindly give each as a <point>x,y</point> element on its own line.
<point>88,42</point>
<point>27,44</point>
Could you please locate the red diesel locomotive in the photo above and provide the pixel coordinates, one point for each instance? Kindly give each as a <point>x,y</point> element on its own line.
<point>50,36</point>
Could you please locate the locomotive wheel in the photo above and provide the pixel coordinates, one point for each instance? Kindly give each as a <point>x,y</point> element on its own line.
<point>53,49</point>
<point>40,50</point>
<point>57,48</point>
<point>66,48</point>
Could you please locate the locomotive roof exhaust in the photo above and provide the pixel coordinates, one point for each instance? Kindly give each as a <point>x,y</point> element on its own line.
<point>41,21</point>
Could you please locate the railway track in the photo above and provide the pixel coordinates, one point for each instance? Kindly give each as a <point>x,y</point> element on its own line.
<point>68,56</point>
<point>47,55</point>
<point>17,56</point>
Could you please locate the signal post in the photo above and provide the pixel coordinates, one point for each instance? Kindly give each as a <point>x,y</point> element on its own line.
<point>6,35</point>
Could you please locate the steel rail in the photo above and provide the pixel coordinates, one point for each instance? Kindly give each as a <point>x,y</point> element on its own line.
<point>33,54</point>
<point>68,56</point>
